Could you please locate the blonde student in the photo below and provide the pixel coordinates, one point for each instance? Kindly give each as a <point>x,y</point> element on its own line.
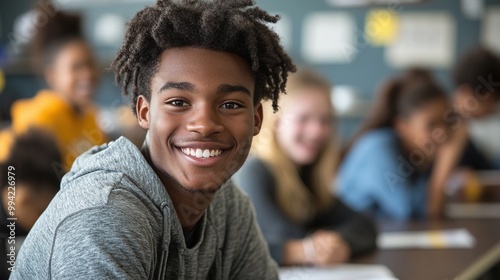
<point>289,181</point>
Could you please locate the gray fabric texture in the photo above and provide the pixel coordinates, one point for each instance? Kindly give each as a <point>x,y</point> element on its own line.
<point>113,219</point>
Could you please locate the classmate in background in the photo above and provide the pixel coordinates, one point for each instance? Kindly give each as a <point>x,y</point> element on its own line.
<point>65,109</point>
<point>387,168</point>
<point>477,94</point>
<point>289,181</point>
<point>30,186</point>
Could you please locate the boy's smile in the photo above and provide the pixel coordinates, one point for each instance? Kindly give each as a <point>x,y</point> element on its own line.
<point>201,116</point>
<point>203,154</point>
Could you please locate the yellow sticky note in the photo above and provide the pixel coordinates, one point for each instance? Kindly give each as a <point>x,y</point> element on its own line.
<point>381,27</point>
<point>436,239</point>
<point>2,81</point>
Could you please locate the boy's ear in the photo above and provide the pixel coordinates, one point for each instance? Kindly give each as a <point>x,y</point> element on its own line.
<point>258,117</point>
<point>142,108</point>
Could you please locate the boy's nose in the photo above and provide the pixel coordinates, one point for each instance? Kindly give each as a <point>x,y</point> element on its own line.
<point>205,121</point>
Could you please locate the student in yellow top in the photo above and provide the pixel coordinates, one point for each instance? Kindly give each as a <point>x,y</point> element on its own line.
<point>65,109</point>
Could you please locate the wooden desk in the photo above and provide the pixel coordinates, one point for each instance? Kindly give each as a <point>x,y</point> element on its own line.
<point>442,264</point>
<point>481,200</point>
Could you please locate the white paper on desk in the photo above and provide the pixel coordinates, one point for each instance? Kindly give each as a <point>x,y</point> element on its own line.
<point>437,239</point>
<point>339,272</point>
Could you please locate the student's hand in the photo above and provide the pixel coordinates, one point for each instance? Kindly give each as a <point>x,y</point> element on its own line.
<point>447,158</point>
<point>329,248</point>
<point>456,142</point>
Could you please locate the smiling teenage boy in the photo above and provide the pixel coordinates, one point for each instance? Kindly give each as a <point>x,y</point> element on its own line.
<point>196,71</point>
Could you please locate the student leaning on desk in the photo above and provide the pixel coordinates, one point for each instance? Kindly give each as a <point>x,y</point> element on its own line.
<point>477,94</point>
<point>388,166</point>
<point>413,140</point>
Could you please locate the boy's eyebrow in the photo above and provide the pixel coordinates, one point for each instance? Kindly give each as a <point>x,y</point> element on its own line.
<point>225,88</point>
<point>181,85</point>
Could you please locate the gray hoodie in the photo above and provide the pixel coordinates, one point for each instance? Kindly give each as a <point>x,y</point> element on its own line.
<point>113,219</point>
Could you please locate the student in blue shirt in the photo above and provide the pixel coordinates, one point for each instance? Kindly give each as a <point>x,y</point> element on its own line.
<point>388,165</point>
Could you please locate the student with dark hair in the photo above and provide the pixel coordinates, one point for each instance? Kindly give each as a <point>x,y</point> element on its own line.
<point>477,94</point>
<point>477,81</point>
<point>197,71</point>
<point>289,181</point>
<point>32,186</point>
<point>387,168</point>
<point>65,109</point>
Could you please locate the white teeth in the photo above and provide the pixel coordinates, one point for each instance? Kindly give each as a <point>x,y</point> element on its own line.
<point>199,153</point>
<point>206,153</point>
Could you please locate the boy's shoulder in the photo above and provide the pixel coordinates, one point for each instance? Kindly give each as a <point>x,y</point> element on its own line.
<point>89,213</point>
<point>108,198</point>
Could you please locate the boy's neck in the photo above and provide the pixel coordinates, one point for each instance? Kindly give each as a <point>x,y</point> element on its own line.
<point>189,206</point>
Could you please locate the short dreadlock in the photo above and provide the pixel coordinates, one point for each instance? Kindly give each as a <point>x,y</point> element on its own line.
<point>235,26</point>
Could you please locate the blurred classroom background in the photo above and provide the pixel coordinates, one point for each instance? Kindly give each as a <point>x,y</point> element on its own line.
<point>356,44</point>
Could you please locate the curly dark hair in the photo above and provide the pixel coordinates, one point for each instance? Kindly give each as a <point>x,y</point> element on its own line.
<point>33,156</point>
<point>235,26</point>
<point>60,29</point>
<point>476,63</point>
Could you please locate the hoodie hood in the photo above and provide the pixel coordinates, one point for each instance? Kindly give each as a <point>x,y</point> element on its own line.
<point>123,157</point>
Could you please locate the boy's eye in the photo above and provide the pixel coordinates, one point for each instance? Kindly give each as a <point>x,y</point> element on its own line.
<point>230,105</point>
<point>178,103</point>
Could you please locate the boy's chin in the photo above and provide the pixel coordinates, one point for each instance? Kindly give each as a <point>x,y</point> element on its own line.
<point>201,186</point>
<point>203,190</point>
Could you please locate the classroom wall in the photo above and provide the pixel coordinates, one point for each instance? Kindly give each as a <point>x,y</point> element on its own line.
<point>369,67</point>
